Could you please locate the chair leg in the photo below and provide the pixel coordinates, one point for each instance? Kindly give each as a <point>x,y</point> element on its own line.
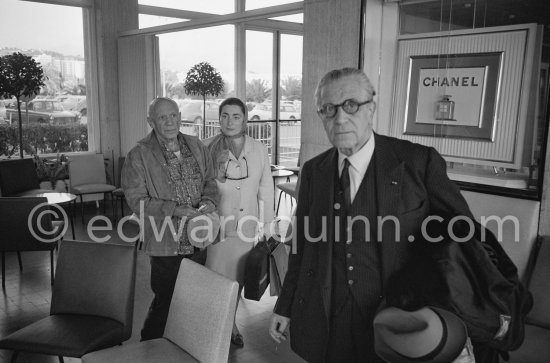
<point>60,359</point>
<point>51,267</point>
<point>121,207</point>
<point>20,261</point>
<point>3,270</point>
<point>73,208</point>
<point>14,356</point>
<point>278,203</point>
<point>82,208</point>
<point>104,203</point>
<point>113,206</point>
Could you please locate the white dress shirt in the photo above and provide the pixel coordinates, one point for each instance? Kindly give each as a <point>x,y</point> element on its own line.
<point>359,162</point>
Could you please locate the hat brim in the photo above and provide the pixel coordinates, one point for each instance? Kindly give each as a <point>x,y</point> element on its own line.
<point>451,340</point>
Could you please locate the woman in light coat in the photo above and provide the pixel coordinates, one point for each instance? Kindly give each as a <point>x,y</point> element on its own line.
<point>246,190</point>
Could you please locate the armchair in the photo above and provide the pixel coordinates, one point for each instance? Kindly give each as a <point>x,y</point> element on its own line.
<point>92,303</point>
<point>535,347</point>
<point>87,176</point>
<point>16,235</point>
<point>18,176</point>
<point>198,327</point>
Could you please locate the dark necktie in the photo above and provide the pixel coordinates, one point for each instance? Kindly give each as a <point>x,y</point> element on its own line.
<point>345,184</point>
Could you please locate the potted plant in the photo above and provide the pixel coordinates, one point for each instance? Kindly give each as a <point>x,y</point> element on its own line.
<point>20,77</point>
<point>203,79</point>
<point>52,173</point>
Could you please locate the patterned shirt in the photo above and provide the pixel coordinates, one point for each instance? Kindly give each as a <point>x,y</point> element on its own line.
<point>186,179</point>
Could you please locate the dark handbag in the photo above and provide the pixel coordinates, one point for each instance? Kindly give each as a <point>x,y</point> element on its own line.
<point>256,271</point>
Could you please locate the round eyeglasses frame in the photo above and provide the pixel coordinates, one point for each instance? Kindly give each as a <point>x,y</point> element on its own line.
<point>350,107</point>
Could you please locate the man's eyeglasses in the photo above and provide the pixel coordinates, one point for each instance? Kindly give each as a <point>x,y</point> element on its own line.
<point>234,170</point>
<point>350,107</point>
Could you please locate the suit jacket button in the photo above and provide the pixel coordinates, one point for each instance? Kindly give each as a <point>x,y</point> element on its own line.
<point>310,273</point>
<point>301,301</point>
<point>350,282</point>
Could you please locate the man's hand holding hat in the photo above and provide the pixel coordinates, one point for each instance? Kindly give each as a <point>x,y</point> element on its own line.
<point>429,334</point>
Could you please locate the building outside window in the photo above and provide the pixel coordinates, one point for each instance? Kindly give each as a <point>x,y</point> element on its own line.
<point>56,121</point>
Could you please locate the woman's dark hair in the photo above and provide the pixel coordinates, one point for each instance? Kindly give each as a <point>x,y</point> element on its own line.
<point>234,101</point>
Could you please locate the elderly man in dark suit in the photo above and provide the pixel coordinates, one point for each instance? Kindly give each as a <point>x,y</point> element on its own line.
<point>336,279</point>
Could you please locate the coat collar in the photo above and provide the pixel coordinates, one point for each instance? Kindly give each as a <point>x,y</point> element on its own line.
<point>151,142</point>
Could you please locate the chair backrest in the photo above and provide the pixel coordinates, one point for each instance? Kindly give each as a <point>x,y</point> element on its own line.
<point>202,312</point>
<point>506,209</point>
<point>16,176</point>
<point>15,233</point>
<point>539,285</point>
<point>93,278</point>
<point>87,169</point>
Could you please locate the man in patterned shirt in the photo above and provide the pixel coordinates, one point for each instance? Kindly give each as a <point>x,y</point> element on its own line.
<point>168,178</point>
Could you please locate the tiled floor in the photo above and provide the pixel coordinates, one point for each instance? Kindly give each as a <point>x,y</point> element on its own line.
<point>27,297</point>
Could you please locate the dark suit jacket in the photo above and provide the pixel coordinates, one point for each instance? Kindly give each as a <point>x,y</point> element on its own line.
<point>411,183</point>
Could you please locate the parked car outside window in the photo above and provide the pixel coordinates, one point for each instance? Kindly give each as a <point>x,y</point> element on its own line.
<point>73,103</point>
<point>191,111</point>
<point>44,111</point>
<point>262,111</point>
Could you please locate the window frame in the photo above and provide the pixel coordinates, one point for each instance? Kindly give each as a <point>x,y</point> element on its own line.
<point>255,20</point>
<point>91,66</point>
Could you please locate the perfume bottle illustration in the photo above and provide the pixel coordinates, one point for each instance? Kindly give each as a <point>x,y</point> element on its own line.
<point>445,109</point>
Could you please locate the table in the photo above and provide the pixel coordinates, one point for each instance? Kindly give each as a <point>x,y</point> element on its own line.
<point>55,198</point>
<point>278,174</point>
<point>281,173</point>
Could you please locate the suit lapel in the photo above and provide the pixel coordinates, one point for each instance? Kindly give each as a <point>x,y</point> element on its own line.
<point>323,206</point>
<point>389,176</point>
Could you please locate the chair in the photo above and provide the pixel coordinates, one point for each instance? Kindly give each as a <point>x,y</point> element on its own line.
<point>92,303</point>
<point>87,176</point>
<point>290,188</point>
<point>119,192</point>
<point>536,347</point>
<point>199,323</point>
<point>16,235</point>
<point>18,176</point>
<point>287,188</point>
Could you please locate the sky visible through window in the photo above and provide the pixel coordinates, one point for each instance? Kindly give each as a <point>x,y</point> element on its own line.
<point>28,25</point>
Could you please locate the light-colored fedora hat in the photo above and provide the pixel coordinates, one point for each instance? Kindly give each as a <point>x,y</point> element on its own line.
<point>429,334</point>
<point>203,230</point>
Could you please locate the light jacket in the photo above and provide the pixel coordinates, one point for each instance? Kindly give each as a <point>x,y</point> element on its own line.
<point>251,198</point>
<point>145,178</point>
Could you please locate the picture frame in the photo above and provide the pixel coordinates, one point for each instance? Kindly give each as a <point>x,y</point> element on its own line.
<point>453,95</point>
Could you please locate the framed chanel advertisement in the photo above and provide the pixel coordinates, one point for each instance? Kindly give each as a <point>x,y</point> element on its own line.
<point>469,93</point>
<point>453,95</point>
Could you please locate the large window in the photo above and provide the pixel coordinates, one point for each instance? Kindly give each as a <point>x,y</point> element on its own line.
<point>251,56</point>
<point>179,52</point>
<point>56,120</point>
